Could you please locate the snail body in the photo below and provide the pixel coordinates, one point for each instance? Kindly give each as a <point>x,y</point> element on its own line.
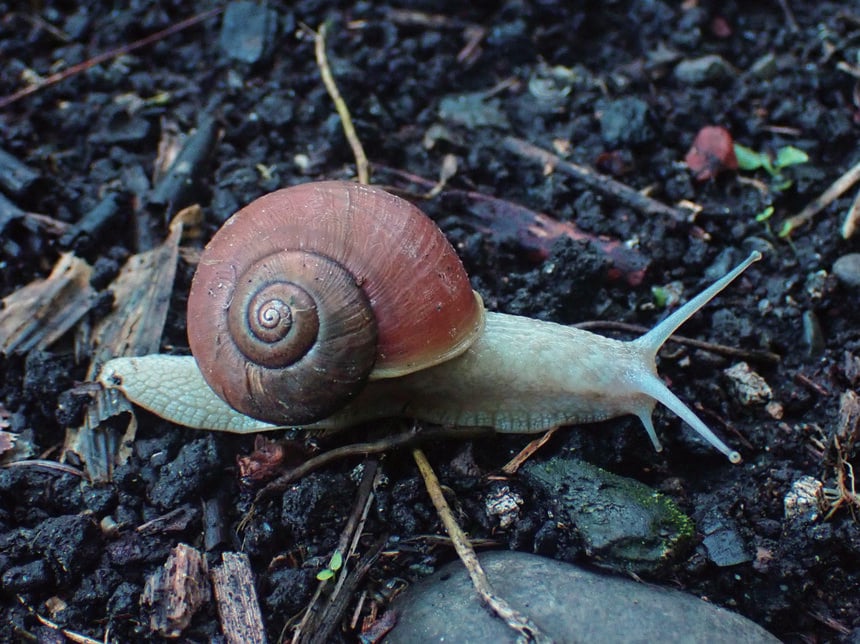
<point>440,359</point>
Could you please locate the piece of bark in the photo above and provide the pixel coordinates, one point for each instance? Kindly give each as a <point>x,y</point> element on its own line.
<point>142,294</point>
<point>216,531</point>
<point>16,177</point>
<point>92,223</point>
<point>8,213</point>
<point>176,188</point>
<point>236,598</point>
<point>176,591</point>
<point>36,315</point>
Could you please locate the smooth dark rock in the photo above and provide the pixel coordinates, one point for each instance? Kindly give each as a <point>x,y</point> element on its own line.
<point>847,269</point>
<point>568,603</point>
<point>723,541</point>
<point>707,69</point>
<point>248,31</point>
<point>623,524</point>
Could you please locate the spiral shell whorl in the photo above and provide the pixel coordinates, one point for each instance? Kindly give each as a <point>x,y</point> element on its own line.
<point>273,320</point>
<point>299,339</point>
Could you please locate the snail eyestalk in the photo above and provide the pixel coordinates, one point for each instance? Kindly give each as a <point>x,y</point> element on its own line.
<point>650,343</point>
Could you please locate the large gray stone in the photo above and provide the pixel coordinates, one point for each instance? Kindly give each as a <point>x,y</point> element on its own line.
<point>568,603</point>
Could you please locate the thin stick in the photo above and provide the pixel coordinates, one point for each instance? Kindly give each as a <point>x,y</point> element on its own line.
<point>836,190</point>
<point>361,449</point>
<point>512,617</point>
<point>323,612</point>
<point>361,165</point>
<point>607,185</point>
<point>526,452</point>
<point>53,79</point>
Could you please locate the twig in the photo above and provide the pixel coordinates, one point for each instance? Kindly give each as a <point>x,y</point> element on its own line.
<point>852,219</point>
<point>836,190</point>
<point>526,452</point>
<point>51,466</point>
<point>323,613</point>
<point>77,638</point>
<point>607,185</point>
<point>512,617</point>
<point>362,449</point>
<point>361,165</point>
<point>789,16</point>
<point>721,349</point>
<point>53,79</point>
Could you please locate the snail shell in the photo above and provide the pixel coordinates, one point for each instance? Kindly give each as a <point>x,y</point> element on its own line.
<point>308,292</point>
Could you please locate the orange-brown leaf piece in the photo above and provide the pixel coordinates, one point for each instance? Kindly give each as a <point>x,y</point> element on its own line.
<point>712,152</point>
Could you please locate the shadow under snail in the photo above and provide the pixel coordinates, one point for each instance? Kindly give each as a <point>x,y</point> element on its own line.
<point>330,304</point>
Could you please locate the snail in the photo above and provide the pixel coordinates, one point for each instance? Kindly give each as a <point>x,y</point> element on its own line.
<point>354,306</point>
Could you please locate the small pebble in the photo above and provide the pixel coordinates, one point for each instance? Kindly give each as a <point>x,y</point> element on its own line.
<point>504,504</point>
<point>803,499</point>
<point>723,541</point>
<point>248,31</point>
<point>749,387</point>
<point>847,269</point>
<point>704,70</point>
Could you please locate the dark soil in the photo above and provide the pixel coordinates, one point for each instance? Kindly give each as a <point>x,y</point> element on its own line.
<point>599,81</point>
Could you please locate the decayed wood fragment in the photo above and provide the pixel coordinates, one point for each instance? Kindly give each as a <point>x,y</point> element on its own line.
<point>236,598</point>
<point>36,315</point>
<point>175,591</point>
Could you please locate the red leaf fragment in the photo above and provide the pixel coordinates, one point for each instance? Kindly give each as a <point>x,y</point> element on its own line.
<point>720,27</point>
<point>7,441</point>
<point>712,152</point>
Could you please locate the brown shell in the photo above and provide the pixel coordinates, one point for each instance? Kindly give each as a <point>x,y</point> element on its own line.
<point>400,300</point>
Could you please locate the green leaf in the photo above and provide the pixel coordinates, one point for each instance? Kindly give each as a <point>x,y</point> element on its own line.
<point>749,159</point>
<point>786,230</point>
<point>336,561</point>
<point>764,215</point>
<point>790,155</point>
<point>325,574</point>
<point>780,183</point>
<point>660,296</point>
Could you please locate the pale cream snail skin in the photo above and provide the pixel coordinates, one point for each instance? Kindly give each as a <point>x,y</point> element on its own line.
<point>439,357</point>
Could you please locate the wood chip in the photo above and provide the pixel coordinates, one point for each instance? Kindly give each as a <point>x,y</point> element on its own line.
<point>236,599</point>
<point>176,591</point>
<point>36,315</point>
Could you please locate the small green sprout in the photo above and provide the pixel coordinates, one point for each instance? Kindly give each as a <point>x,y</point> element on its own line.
<point>764,218</point>
<point>660,295</point>
<point>334,564</point>
<point>764,215</point>
<point>787,156</point>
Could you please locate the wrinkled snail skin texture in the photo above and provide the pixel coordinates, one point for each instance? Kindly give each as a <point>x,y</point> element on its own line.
<point>514,374</point>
